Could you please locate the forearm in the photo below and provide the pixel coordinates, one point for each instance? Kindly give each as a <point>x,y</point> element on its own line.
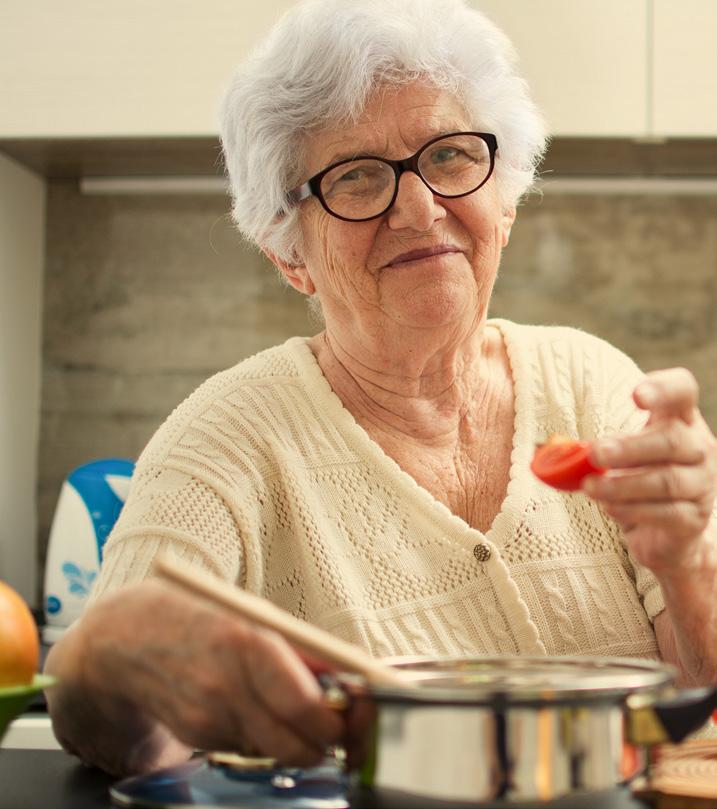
<point>95,722</point>
<point>690,594</point>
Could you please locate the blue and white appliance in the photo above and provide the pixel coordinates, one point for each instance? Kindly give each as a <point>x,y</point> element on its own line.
<point>90,501</point>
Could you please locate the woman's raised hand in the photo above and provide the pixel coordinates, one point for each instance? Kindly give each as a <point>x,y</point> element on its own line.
<point>662,481</point>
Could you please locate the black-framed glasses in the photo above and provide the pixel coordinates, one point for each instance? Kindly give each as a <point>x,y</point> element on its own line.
<point>365,187</point>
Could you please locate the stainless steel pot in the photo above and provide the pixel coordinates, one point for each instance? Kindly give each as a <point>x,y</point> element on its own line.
<point>518,730</point>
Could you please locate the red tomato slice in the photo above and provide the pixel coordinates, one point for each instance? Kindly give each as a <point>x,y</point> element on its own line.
<point>563,463</point>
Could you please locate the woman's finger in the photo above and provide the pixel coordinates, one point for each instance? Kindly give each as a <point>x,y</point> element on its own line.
<point>660,443</point>
<point>289,692</point>
<point>245,726</point>
<point>670,392</point>
<point>265,734</point>
<point>678,519</point>
<point>651,484</point>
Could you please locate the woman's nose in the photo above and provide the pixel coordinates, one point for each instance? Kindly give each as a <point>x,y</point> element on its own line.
<point>415,205</point>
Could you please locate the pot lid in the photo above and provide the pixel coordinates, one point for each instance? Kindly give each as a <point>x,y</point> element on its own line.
<point>523,680</point>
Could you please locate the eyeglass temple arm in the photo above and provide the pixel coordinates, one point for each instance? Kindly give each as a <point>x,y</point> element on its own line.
<point>302,192</point>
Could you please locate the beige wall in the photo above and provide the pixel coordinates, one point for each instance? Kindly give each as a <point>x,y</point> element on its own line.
<point>146,296</point>
<point>22,236</point>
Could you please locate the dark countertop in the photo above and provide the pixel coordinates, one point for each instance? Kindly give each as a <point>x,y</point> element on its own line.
<point>51,779</point>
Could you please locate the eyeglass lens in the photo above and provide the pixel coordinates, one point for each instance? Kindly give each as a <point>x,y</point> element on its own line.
<point>450,167</point>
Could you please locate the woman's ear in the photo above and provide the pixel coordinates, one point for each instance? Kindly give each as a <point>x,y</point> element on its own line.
<point>507,224</point>
<point>295,272</point>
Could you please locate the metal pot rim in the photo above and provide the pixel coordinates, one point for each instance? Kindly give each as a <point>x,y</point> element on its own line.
<point>516,681</point>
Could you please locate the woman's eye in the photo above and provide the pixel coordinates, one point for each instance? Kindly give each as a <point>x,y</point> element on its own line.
<point>352,176</point>
<point>358,179</point>
<point>446,154</point>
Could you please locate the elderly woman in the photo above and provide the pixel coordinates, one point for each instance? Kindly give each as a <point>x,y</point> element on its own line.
<point>374,479</point>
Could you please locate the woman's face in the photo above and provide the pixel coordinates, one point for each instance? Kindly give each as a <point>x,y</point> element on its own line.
<point>369,288</point>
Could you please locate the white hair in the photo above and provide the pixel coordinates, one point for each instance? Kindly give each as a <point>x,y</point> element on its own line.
<point>318,67</point>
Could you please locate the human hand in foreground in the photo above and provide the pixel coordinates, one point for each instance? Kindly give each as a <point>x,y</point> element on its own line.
<point>662,481</point>
<point>162,672</point>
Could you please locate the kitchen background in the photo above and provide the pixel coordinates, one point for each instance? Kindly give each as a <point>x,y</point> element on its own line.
<point>124,285</point>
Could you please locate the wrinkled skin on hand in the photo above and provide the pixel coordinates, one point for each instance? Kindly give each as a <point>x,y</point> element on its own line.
<point>210,679</point>
<point>662,481</point>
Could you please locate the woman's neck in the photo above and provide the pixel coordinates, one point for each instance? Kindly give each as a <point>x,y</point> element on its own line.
<point>425,394</point>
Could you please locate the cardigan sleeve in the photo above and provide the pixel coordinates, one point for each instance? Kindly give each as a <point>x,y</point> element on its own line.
<point>169,511</point>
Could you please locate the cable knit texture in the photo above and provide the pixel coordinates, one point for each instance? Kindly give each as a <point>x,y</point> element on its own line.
<point>264,478</point>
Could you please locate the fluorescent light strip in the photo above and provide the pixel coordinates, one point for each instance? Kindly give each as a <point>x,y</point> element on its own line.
<point>153,185</point>
<point>698,186</point>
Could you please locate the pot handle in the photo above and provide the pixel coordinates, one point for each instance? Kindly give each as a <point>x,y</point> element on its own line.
<point>668,719</point>
<point>335,696</point>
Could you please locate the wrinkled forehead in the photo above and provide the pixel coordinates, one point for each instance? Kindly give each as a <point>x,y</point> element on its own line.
<point>395,122</point>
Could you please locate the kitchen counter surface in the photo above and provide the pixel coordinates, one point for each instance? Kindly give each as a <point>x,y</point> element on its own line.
<point>51,779</point>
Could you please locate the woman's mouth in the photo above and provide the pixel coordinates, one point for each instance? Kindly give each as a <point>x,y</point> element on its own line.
<point>426,252</point>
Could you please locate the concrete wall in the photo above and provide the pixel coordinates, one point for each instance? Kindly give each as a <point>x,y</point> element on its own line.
<point>146,296</point>
<point>22,239</point>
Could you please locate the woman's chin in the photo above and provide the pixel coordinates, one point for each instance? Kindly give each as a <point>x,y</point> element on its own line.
<point>435,310</point>
<point>432,301</point>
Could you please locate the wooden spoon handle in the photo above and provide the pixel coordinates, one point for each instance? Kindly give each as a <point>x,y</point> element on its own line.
<point>341,654</point>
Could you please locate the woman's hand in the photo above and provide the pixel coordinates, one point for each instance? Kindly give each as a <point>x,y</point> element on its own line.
<point>662,481</point>
<point>178,673</point>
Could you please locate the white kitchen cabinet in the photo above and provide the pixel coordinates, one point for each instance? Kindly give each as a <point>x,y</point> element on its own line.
<point>585,61</point>
<point>122,68</point>
<point>151,68</point>
<point>684,94</point>
<point>154,68</point>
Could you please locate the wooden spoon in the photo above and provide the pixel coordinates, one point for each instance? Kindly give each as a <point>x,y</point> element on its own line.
<point>343,655</point>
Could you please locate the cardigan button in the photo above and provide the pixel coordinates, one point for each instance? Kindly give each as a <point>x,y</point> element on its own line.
<point>481,552</point>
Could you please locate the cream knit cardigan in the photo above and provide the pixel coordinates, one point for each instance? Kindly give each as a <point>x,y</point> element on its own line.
<point>264,478</point>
